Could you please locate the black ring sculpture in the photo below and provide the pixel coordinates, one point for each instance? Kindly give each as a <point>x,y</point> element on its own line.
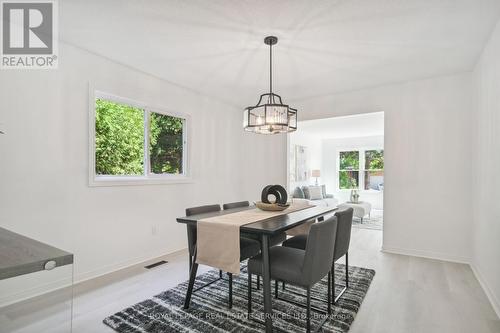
<point>277,191</point>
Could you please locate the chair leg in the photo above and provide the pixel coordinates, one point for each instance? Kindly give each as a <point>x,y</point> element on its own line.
<point>308,311</point>
<point>333,283</point>
<point>275,288</point>
<point>347,269</point>
<point>190,262</point>
<point>249,305</point>
<point>220,273</point>
<point>329,292</point>
<point>336,298</point>
<point>258,282</point>
<point>283,285</point>
<point>230,290</point>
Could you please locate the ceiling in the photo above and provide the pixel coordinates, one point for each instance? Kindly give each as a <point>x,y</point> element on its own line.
<point>368,124</point>
<point>216,47</point>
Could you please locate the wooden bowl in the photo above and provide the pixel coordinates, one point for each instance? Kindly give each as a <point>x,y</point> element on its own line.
<point>271,207</point>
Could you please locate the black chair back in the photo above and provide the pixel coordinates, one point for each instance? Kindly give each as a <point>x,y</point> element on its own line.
<point>319,250</point>
<point>343,237</point>
<point>191,229</point>
<point>236,205</point>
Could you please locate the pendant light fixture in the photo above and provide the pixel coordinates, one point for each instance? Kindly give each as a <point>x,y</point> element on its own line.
<point>270,115</point>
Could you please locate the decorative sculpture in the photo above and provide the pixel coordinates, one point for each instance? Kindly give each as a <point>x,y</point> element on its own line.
<point>277,191</point>
<point>278,201</point>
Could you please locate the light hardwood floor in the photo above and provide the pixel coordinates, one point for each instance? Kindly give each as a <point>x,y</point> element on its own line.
<point>408,294</point>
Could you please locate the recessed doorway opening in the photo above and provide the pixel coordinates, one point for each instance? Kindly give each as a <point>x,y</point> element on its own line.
<point>344,156</point>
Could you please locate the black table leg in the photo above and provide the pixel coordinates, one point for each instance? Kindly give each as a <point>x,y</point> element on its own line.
<point>266,279</point>
<point>192,277</point>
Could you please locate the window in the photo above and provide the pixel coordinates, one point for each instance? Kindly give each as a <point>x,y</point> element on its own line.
<point>361,169</point>
<point>134,143</point>
<point>349,169</point>
<point>374,170</point>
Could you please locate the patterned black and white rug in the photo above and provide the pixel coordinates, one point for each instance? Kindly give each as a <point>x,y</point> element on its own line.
<point>209,312</point>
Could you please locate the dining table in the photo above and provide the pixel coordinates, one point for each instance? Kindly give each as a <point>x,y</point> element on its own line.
<point>265,229</point>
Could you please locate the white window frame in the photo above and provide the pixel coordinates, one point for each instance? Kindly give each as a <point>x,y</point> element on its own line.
<point>148,177</point>
<point>338,168</point>
<point>361,170</point>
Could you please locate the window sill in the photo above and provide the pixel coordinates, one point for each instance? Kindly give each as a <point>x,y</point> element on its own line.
<point>138,181</point>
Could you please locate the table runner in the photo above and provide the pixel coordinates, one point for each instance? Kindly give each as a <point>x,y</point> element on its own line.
<point>218,238</point>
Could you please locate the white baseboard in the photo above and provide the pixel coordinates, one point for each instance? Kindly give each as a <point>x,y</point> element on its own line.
<point>495,303</point>
<point>45,288</point>
<point>85,276</point>
<point>426,254</point>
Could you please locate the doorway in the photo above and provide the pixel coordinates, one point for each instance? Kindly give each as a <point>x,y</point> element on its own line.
<point>345,157</point>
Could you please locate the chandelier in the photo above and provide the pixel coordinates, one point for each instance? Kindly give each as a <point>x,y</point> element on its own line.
<point>270,115</point>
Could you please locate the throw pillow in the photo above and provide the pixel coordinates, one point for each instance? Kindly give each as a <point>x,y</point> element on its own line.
<point>298,193</point>
<point>315,193</point>
<point>305,189</point>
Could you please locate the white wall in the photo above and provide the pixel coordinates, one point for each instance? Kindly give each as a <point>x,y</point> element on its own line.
<point>486,227</point>
<point>44,190</point>
<point>330,152</point>
<point>428,167</point>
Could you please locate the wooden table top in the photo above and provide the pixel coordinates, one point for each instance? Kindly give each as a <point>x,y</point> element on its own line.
<point>272,225</point>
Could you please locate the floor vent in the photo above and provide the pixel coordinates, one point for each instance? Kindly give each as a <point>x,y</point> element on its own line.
<point>156,264</point>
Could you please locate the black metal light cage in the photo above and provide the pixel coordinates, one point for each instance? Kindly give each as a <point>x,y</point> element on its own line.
<point>270,116</point>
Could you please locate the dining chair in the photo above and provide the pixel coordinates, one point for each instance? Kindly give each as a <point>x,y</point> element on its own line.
<point>237,204</point>
<point>342,241</point>
<point>303,268</point>
<point>248,247</point>
<point>273,241</point>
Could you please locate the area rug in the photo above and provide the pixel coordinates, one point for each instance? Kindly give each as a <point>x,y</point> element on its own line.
<point>209,312</point>
<point>374,222</point>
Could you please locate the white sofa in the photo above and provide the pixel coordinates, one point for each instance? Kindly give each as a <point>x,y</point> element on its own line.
<point>328,200</point>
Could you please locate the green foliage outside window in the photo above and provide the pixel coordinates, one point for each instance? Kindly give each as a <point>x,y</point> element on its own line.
<point>349,160</point>
<point>119,141</point>
<point>374,160</point>
<point>374,166</point>
<point>166,143</point>
<point>349,166</point>
<point>348,179</point>
<point>349,169</point>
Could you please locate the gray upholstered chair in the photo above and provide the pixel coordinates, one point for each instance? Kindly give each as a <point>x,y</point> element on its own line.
<point>191,229</point>
<point>342,240</point>
<point>248,247</point>
<point>238,204</point>
<point>303,268</point>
